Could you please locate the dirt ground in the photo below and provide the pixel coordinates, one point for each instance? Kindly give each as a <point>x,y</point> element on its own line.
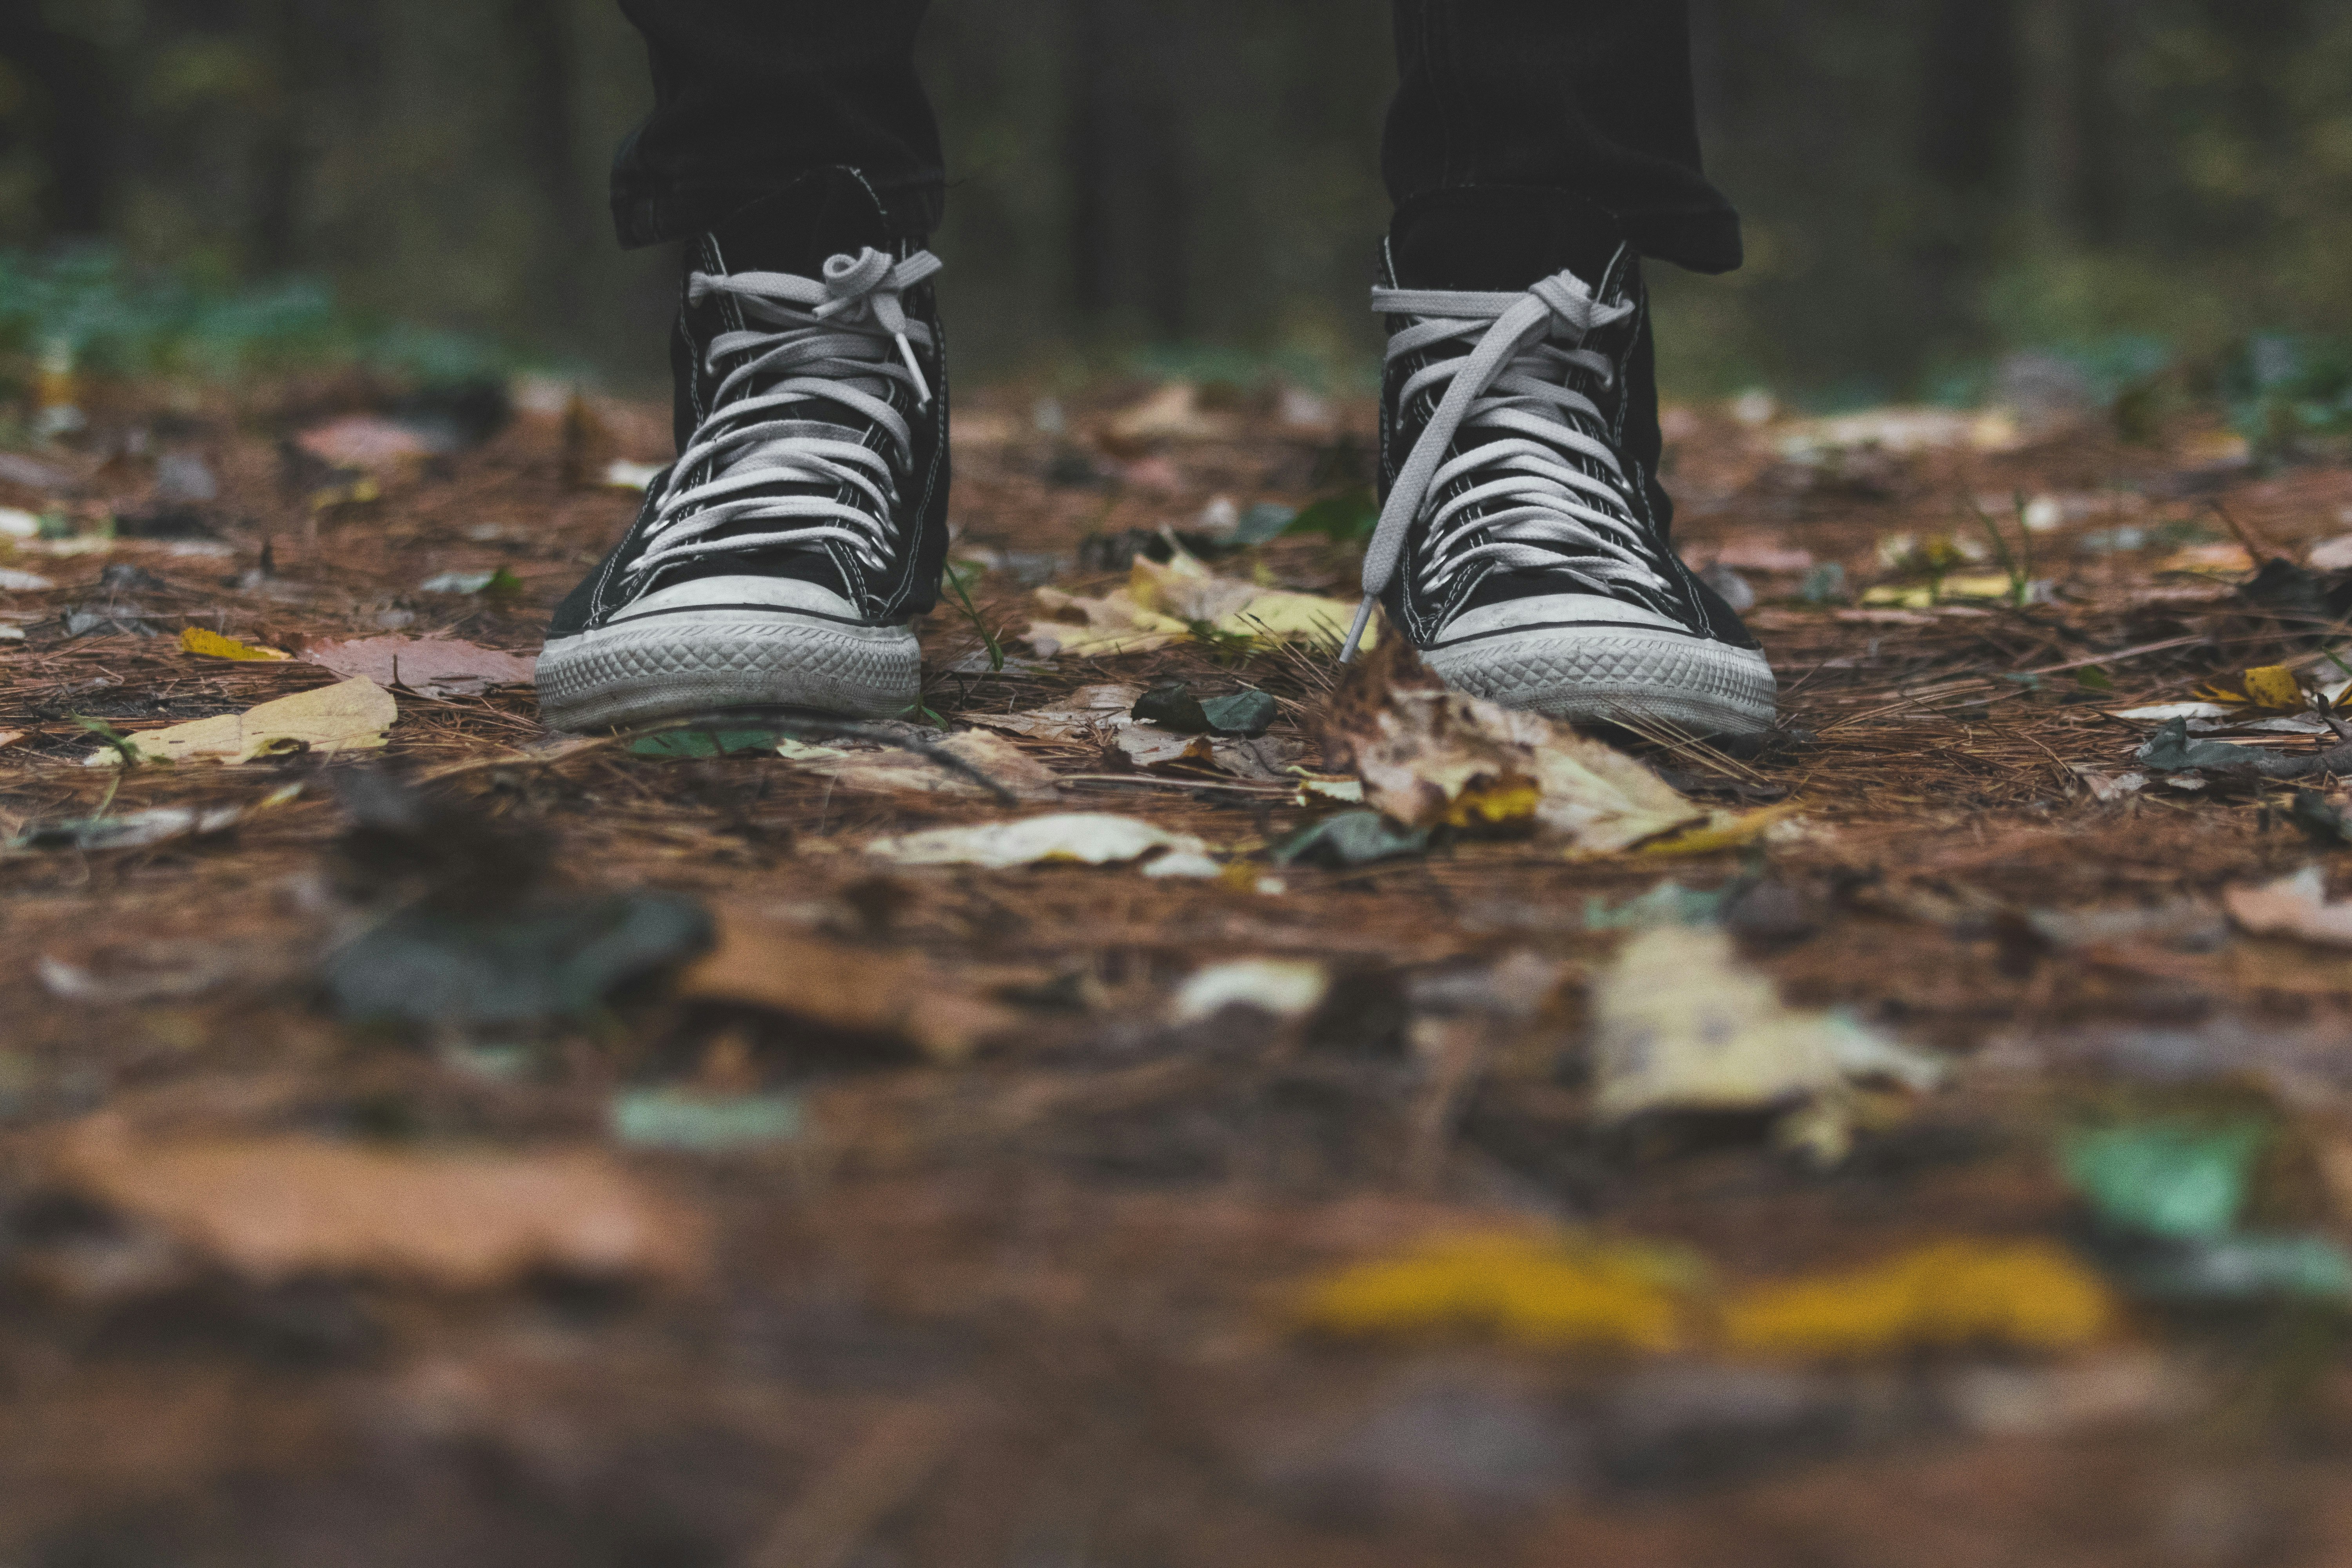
<point>1023,1291</point>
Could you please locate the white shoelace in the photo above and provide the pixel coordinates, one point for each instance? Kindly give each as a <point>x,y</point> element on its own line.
<point>1539,507</point>
<point>841,340</point>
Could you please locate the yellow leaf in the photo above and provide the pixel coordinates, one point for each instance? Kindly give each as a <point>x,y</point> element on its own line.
<point>1502,800</point>
<point>1951,1294</point>
<point>1530,1289</point>
<point>211,645</point>
<point>2273,686</point>
<point>1161,603</point>
<point>350,717</point>
<point>1724,830</point>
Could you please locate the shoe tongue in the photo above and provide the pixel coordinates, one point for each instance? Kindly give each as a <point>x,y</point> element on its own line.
<point>1498,238</point>
<point>826,213</point>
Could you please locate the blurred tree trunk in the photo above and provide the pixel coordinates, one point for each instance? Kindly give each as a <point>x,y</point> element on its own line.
<point>275,243</point>
<point>1127,163</point>
<point>2051,147</point>
<point>79,117</point>
<point>541,64</point>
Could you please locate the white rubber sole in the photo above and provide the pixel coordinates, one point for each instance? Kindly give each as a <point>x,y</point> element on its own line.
<point>660,667</point>
<point>1596,674</point>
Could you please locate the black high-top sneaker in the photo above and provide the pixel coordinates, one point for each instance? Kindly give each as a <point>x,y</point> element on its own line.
<point>1522,543</point>
<point>778,561</point>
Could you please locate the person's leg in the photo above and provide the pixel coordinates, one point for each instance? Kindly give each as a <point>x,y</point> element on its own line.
<point>1536,150</point>
<point>1589,98</point>
<point>751,94</point>
<point>777,563</point>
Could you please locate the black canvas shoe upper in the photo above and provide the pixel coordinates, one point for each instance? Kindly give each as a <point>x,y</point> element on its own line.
<point>811,410</point>
<point>1548,484</point>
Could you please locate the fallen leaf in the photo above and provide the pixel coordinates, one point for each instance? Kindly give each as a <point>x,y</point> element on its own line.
<point>425,966</point>
<point>1349,838</point>
<point>1288,988</point>
<point>1681,1023</point>
<point>211,645</point>
<point>1529,1290</point>
<point>1162,604</point>
<point>1946,1295</point>
<point>2173,1179</point>
<point>282,1207</point>
<point>894,770</point>
<point>899,995</point>
<point>2170,750</point>
<point>703,1123</point>
<point>499,584</point>
<point>1724,830</point>
<point>349,717</point>
<point>1173,413</point>
<point>1430,756</point>
<point>1156,748</point>
<point>1089,837</point>
<point>15,582</point>
<point>1171,705</point>
<point>131,830</point>
<point>150,970</point>
<point>701,745</point>
<point>2242,1268</point>
<point>435,667</point>
<point>2274,685</point>
<point>1084,715</point>
<point>366,441</point>
<point>620,474</point>
<point>2293,906</point>
<point>1898,429</point>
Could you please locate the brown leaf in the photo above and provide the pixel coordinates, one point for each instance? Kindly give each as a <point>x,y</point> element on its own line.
<point>2294,906</point>
<point>437,666</point>
<point>277,1207</point>
<point>763,962</point>
<point>1430,756</point>
<point>893,770</point>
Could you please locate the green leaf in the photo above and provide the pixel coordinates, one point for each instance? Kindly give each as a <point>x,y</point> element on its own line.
<point>703,1124</point>
<point>1171,706</point>
<point>1348,517</point>
<point>2091,677</point>
<point>696,744</point>
<point>2177,1180</point>
<point>1243,713</point>
<point>1349,838</point>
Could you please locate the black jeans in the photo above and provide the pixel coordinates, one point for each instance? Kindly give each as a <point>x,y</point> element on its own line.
<point>1588,97</point>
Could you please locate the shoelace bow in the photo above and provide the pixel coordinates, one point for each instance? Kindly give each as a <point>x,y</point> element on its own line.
<point>805,341</point>
<point>1540,508</point>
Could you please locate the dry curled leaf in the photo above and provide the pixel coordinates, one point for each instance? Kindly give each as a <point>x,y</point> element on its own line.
<point>1430,756</point>
<point>765,962</point>
<point>436,667</point>
<point>211,645</point>
<point>279,1207</point>
<point>349,717</point>
<point>2293,906</point>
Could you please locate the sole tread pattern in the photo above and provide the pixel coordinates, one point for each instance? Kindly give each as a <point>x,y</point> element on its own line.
<point>626,675</point>
<point>1705,688</point>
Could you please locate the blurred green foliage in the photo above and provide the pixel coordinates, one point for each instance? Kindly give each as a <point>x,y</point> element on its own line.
<point>2148,191</point>
<point>100,312</point>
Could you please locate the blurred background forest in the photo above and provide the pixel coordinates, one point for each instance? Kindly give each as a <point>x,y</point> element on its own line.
<point>1927,185</point>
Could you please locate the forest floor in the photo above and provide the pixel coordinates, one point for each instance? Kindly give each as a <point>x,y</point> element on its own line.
<point>1290,1213</point>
